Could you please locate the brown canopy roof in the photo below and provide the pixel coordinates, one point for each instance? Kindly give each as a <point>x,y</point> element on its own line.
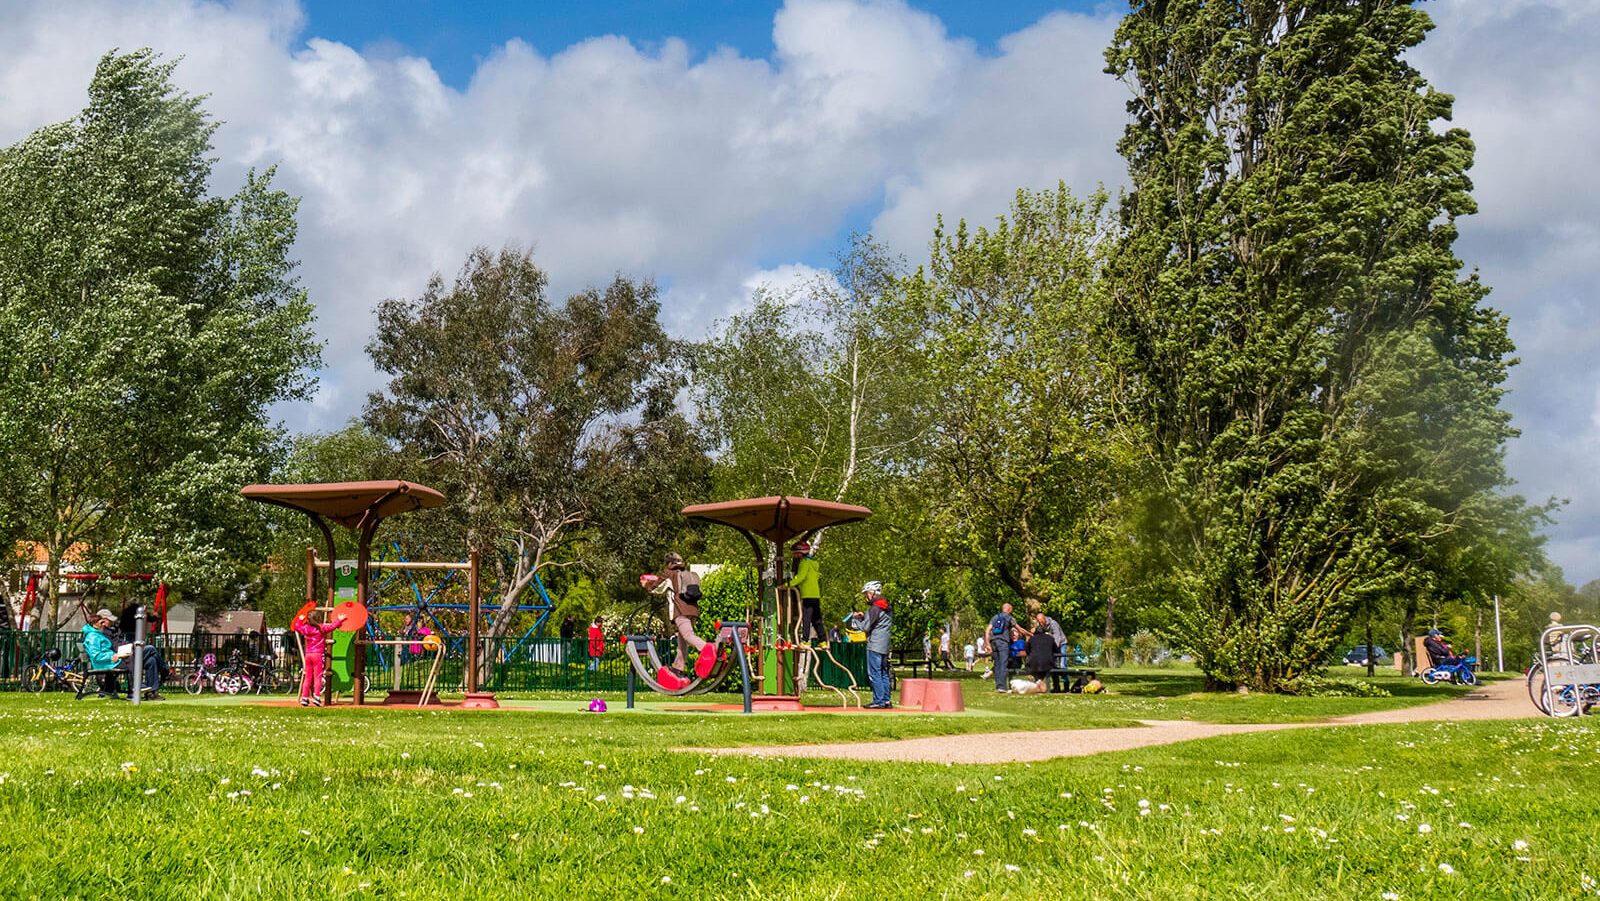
<point>347,502</point>
<point>778,519</point>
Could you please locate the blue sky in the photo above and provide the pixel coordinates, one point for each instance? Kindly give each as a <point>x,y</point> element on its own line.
<point>413,131</point>
<point>456,36</point>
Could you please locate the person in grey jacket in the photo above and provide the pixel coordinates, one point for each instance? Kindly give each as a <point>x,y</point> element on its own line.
<point>877,628</point>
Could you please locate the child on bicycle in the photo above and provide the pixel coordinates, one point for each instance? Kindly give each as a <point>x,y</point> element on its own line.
<point>316,652</point>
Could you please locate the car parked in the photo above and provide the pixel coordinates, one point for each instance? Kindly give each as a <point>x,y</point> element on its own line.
<point>1357,656</point>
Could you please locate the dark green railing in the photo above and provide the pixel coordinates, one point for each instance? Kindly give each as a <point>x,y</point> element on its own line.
<point>533,664</point>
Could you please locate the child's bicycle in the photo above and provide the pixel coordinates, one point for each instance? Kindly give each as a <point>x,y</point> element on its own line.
<point>51,673</point>
<point>1459,670</point>
<point>207,673</point>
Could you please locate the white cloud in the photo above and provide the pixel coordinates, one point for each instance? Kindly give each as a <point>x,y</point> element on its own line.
<point>1525,74</point>
<point>699,171</point>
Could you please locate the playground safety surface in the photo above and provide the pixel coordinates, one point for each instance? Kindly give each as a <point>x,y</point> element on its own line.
<point>1495,701</point>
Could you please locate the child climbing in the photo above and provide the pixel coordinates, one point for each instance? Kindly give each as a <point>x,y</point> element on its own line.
<point>808,582</point>
<point>316,653</point>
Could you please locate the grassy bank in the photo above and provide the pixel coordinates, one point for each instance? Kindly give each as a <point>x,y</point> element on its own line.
<point>190,800</point>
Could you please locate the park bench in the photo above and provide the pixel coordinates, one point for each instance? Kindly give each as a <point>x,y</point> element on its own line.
<point>913,659</point>
<point>94,679</point>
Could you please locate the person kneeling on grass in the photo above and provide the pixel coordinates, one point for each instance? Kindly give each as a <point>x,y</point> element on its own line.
<point>877,628</point>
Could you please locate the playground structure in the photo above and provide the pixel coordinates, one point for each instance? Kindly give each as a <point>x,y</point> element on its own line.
<point>91,588</point>
<point>766,645</point>
<point>362,507</point>
<point>433,601</point>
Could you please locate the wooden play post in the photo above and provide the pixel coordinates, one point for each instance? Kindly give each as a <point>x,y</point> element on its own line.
<point>474,610</point>
<point>476,698</point>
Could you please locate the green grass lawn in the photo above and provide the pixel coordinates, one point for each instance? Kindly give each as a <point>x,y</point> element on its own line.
<point>186,800</point>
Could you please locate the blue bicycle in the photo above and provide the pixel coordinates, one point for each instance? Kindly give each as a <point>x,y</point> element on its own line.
<point>51,672</point>
<point>1456,670</point>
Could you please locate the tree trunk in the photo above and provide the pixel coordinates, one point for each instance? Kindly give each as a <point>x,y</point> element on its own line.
<point>1408,625</point>
<point>1371,664</point>
<point>1477,636</point>
<point>52,569</point>
<point>1111,622</point>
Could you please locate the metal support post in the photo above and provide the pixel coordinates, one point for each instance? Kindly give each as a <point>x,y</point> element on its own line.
<point>1499,649</point>
<point>136,678</point>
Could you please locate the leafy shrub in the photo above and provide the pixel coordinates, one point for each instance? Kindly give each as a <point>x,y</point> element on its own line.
<point>1113,650</point>
<point>728,594</point>
<point>1145,649</point>
<point>1332,687</point>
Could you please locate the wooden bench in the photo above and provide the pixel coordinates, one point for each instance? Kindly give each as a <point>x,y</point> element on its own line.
<point>1067,680</point>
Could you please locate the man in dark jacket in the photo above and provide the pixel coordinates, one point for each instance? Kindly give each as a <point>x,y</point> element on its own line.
<point>1439,650</point>
<point>877,628</point>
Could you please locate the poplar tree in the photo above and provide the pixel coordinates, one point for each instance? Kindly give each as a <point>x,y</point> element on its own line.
<point>148,326</point>
<point>1315,379</point>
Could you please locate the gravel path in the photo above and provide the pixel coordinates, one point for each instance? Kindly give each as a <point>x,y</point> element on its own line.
<point>1499,700</point>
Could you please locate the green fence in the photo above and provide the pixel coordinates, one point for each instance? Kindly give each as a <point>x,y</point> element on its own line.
<point>527,664</point>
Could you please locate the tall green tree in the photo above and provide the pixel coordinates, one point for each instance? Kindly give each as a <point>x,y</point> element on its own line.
<point>1316,383</point>
<point>818,392</point>
<point>1023,459</point>
<point>551,427</point>
<point>149,327</point>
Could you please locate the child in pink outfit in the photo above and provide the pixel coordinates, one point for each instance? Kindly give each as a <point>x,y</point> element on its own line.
<point>316,656</point>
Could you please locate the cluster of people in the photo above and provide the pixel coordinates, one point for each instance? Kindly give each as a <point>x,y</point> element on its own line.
<point>1033,652</point>
<point>108,641</point>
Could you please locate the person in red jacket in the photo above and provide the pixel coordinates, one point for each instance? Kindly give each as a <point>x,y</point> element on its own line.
<point>597,643</point>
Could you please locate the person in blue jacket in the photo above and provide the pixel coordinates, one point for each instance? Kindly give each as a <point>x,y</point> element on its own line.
<point>102,655</point>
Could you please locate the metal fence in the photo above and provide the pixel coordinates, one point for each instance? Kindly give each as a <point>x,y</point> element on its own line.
<point>520,664</point>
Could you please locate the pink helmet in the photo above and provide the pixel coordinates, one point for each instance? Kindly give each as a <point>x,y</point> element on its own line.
<point>209,661</point>
<point>597,706</point>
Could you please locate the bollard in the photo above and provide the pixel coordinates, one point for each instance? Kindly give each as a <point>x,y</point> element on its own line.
<point>136,678</point>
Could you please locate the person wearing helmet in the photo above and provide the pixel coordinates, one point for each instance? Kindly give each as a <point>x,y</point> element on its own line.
<point>877,628</point>
<point>808,581</point>
<point>683,610</point>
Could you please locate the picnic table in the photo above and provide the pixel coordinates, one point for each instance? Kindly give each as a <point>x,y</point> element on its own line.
<point>913,659</point>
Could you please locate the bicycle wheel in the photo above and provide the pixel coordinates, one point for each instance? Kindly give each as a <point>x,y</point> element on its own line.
<point>34,678</point>
<point>1468,677</point>
<point>1536,688</point>
<point>1431,677</point>
<point>1561,700</point>
<point>196,682</point>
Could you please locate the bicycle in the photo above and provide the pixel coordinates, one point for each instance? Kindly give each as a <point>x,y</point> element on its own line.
<point>1456,670</point>
<point>205,673</point>
<point>261,674</point>
<point>51,674</point>
<point>1569,654</point>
